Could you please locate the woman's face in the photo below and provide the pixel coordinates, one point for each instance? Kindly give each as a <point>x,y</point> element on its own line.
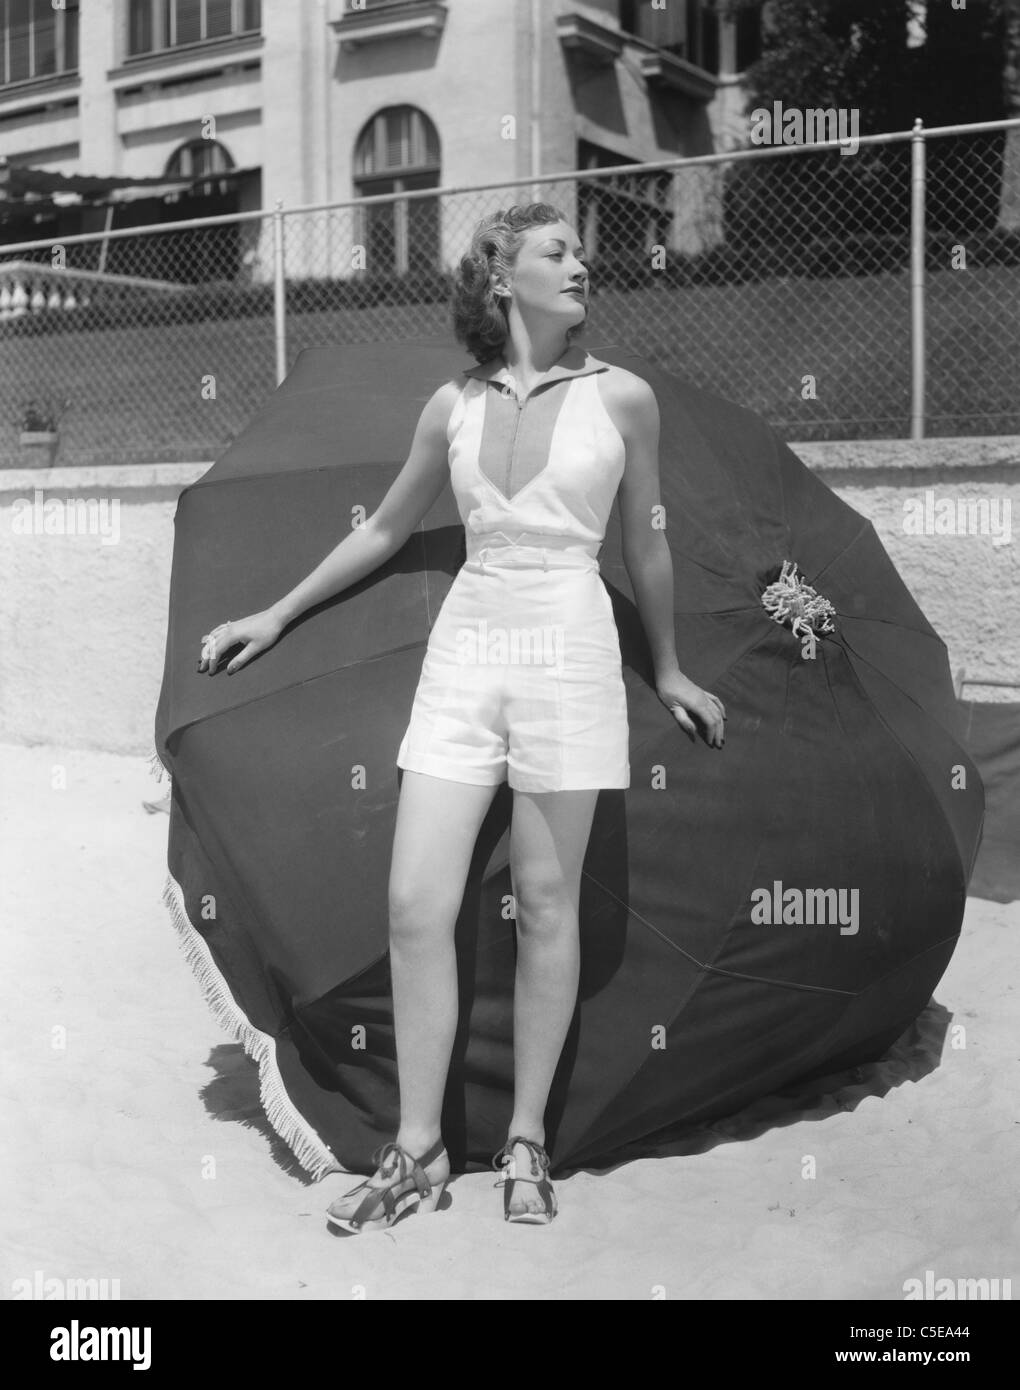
<point>550,275</point>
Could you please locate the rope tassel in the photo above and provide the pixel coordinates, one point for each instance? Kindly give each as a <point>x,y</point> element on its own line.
<point>791,600</point>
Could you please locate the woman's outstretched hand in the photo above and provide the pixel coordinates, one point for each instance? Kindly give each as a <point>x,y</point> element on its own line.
<point>683,699</point>
<point>257,632</point>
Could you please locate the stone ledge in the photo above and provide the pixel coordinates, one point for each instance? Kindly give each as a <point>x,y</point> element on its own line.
<point>956,451</point>
<point>107,476</point>
<point>869,462</point>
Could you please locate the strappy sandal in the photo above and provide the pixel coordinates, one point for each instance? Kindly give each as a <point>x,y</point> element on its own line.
<point>393,1200</point>
<point>539,1176</point>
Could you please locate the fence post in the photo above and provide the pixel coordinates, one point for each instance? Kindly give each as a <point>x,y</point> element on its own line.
<point>279,294</point>
<point>535,81</point>
<point>917,343</point>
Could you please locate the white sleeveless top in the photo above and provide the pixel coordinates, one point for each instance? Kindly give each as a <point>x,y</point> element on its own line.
<point>547,466</point>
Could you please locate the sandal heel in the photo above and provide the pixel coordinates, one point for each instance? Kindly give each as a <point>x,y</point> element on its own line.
<point>381,1207</point>
<point>431,1204</point>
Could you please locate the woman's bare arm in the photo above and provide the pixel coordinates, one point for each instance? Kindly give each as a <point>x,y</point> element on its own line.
<point>368,546</point>
<point>646,554</point>
<point>647,557</point>
<point>412,492</point>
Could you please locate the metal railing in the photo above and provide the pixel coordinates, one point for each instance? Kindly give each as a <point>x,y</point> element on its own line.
<point>870,296</point>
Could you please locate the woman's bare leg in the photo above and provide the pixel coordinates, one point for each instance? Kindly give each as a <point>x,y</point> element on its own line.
<point>433,841</point>
<point>548,839</point>
<point>437,827</point>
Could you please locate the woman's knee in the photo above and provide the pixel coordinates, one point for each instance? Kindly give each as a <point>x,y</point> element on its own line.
<point>545,908</point>
<point>418,913</point>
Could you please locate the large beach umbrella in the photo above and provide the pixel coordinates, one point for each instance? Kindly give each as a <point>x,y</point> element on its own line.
<point>750,916</point>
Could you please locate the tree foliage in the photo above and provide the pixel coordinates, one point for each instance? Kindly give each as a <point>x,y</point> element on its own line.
<point>888,61</point>
<point>892,60</point>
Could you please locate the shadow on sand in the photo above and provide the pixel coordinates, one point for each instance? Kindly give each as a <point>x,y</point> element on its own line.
<point>233,1095</point>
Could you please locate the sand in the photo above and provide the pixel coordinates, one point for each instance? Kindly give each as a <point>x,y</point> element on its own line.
<point>134,1148</point>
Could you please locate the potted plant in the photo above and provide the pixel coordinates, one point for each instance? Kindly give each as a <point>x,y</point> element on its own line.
<point>38,434</point>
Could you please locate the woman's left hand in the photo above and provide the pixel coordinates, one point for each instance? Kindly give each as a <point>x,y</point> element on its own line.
<point>683,699</point>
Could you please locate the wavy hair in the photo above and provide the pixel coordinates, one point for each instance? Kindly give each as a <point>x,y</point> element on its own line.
<point>479,315</point>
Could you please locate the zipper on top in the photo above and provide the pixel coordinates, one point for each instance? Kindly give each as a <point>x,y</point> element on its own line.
<point>513,444</point>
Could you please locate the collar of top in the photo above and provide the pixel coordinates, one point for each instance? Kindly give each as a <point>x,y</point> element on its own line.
<point>497,370</point>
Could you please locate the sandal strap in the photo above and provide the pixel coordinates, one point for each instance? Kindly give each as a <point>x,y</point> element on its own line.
<point>436,1151</point>
<point>539,1158</point>
<point>392,1147</point>
<point>545,1191</point>
<point>410,1169</point>
<point>387,1197</point>
<point>407,1172</point>
<point>543,1187</point>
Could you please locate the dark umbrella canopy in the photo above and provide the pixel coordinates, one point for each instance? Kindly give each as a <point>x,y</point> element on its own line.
<point>702,987</point>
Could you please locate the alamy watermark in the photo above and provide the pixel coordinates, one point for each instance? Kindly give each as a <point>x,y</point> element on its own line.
<point>930,1287</point>
<point>959,516</point>
<point>42,1286</point>
<point>795,125</point>
<point>78,1343</point>
<point>66,516</point>
<point>482,645</point>
<point>827,907</point>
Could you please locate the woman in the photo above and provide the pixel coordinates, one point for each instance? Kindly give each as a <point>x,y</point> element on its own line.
<point>535,443</point>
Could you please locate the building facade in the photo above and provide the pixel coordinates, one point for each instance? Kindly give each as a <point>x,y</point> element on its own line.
<point>323,101</point>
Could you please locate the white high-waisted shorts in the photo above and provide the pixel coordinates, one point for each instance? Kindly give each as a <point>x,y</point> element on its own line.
<point>522,679</point>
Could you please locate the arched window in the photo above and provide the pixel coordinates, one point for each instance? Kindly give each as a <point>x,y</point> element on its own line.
<point>398,152</point>
<point>198,158</point>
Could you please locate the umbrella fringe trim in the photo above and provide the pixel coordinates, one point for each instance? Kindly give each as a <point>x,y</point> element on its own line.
<point>158,767</point>
<point>306,1145</point>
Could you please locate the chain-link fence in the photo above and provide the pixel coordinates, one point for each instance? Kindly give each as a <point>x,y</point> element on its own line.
<point>865,295</point>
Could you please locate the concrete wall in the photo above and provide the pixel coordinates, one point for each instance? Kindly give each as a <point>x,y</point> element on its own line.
<point>83,620</point>
<point>928,503</point>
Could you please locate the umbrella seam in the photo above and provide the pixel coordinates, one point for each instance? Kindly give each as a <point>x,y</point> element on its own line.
<point>644,1061</point>
<point>865,525</point>
<point>288,473</point>
<point>730,925</point>
<point>820,578</point>
<point>931,634</point>
<point>268,695</point>
<point>717,612</point>
<point>751,646</point>
<point>832,692</point>
<point>716,969</point>
<point>899,742</point>
<point>777,469</point>
<point>950,733</point>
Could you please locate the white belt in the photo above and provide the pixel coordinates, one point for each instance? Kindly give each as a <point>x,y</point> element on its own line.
<point>551,551</point>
